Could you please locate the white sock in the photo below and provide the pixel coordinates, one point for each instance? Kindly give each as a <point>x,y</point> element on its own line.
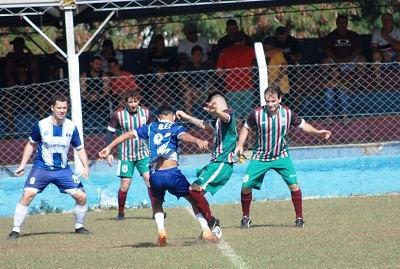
<point>20,214</point>
<point>80,215</point>
<point>159,217</point>
<point>203,222</point>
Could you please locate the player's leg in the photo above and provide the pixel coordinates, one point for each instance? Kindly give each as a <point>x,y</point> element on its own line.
<point>69,183</point>
<point>252,179</point>
<point>286,169</point>
<point>143,168</point>
<point>36,182</point>
<point>125,171</point>
<point>158,185</point>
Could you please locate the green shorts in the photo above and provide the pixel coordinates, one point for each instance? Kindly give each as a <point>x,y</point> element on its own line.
<point>126,169</point>
<point>256,170</point>
<point>214,176</point>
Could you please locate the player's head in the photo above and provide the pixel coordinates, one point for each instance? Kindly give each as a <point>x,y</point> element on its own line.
<point>132,100</point>
<point>59,106</point>
<point>217,98</point>
<point>273,97</point>
<point>165,112</point>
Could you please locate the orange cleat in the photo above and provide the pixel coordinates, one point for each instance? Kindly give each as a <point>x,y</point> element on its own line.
<point>162,239</point>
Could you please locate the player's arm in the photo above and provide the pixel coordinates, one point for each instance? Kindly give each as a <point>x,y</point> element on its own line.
<point>202,144</point>
<point>242,138</point>
<point>308,128</point>
<point>125,136</point>
<point>28,150</point>
<point>109,139</point>
<point>85,161</point>
<point>195,121</point>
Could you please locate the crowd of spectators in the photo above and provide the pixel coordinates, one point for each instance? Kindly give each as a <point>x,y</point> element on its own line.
<point>195,55</point>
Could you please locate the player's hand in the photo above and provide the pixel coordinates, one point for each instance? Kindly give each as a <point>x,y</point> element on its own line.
<point>104,153</point>
<point>20,171</point>
<point>325,134</point>
<point>181,115</point>
<point>238,150</point>
<point>202,144</point>
<point>211,107</point>
<point>110,159</point>
<point>84,174</point>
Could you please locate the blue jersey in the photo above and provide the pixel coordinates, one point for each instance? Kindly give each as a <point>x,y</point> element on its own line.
<point>53,143</point>
<point>163,140</point>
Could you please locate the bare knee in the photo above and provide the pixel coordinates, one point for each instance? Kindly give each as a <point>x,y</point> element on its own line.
<point>80,197</point>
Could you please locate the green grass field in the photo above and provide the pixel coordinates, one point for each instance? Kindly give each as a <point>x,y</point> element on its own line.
<point>353,232</point>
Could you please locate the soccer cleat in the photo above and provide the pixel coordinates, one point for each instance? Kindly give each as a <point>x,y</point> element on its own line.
<point>82,230</point>
<point>13,235</point>
<point>213,223</point>
<point>209,236</point>
<point>299,223</point>
<point>245,222</point>
<point>162,239</point>
<point>121,216</point>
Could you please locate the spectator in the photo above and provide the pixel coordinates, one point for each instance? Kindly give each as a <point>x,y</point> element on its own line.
<point>58,64</point>
<point>277,66</point>
<point>94,86</point>
<point>335,84</point>
<point>192,39</point>
<point>238,60</point>
<point>108,52</point>
<point>343,46</point>
<point>290,48</point>
<point>159,60</point>
<point>196,81</point>
<point>385,44</point>
<point>121,82</point>
<point>22,97</point>
<point>19,52</point>
<point>229,39</point>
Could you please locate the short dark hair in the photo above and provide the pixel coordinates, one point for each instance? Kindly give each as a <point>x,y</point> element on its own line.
<point>132,94</point>
<point>164,110</point>
<point>274,89</point>
<point>341,16</point>
<point>214,93</point>
<point>107,43</point>
<point>280,30</point>
<point>239,36</point>
<point>59,98</point>
<point>231,22</point>
<point>96,58</point>
<point>113,60</point>
<point>196,48</point>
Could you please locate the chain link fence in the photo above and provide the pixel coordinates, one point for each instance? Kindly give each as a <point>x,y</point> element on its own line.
<point>358,103</point>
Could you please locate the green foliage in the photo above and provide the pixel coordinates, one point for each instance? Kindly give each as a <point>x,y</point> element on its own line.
<point>44,208</point>
<point>305,21</point>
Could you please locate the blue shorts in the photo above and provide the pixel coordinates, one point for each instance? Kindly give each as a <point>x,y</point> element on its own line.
<point>64,179</point>
<point>171,180</point>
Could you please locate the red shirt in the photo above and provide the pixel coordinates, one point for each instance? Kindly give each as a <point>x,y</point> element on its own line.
<point>123,83</point>
<point>241,57</point>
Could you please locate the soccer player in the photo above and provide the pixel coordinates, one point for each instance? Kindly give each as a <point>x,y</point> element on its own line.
<point>217,173</point>
<point>271,123</point>
<point>163,138</point>
<point>54,135</point>
<point>131,153</point>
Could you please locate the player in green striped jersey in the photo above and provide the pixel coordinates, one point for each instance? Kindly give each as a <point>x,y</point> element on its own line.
<point>217,173</point>
<point>271,123</point>
<point>132,153</point>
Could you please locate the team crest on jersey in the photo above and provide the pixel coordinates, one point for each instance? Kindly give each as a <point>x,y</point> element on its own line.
<point>32,180</point>
<point>46,133</point>
<point>283,121</point>
<point>246,178</point>
<point>124,168</point>
<point>76,179</point>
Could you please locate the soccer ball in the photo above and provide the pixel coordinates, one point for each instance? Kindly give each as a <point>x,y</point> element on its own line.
<point>218,232</point>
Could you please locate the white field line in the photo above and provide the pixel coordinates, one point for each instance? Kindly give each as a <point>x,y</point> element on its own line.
<point>225,248</point>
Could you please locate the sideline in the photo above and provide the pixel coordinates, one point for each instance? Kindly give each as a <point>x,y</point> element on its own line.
<point>225,248</point>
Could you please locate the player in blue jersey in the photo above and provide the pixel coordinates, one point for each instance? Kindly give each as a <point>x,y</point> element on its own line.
<point>54,135</point>
<point>163,138</point>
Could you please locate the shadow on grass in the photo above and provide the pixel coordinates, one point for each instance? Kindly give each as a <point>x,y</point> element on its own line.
<point>126,218</point>
<point>48,233</point>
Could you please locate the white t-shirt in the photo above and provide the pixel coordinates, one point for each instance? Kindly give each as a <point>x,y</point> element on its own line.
<point>185,46</point>
<point>382,44</point>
